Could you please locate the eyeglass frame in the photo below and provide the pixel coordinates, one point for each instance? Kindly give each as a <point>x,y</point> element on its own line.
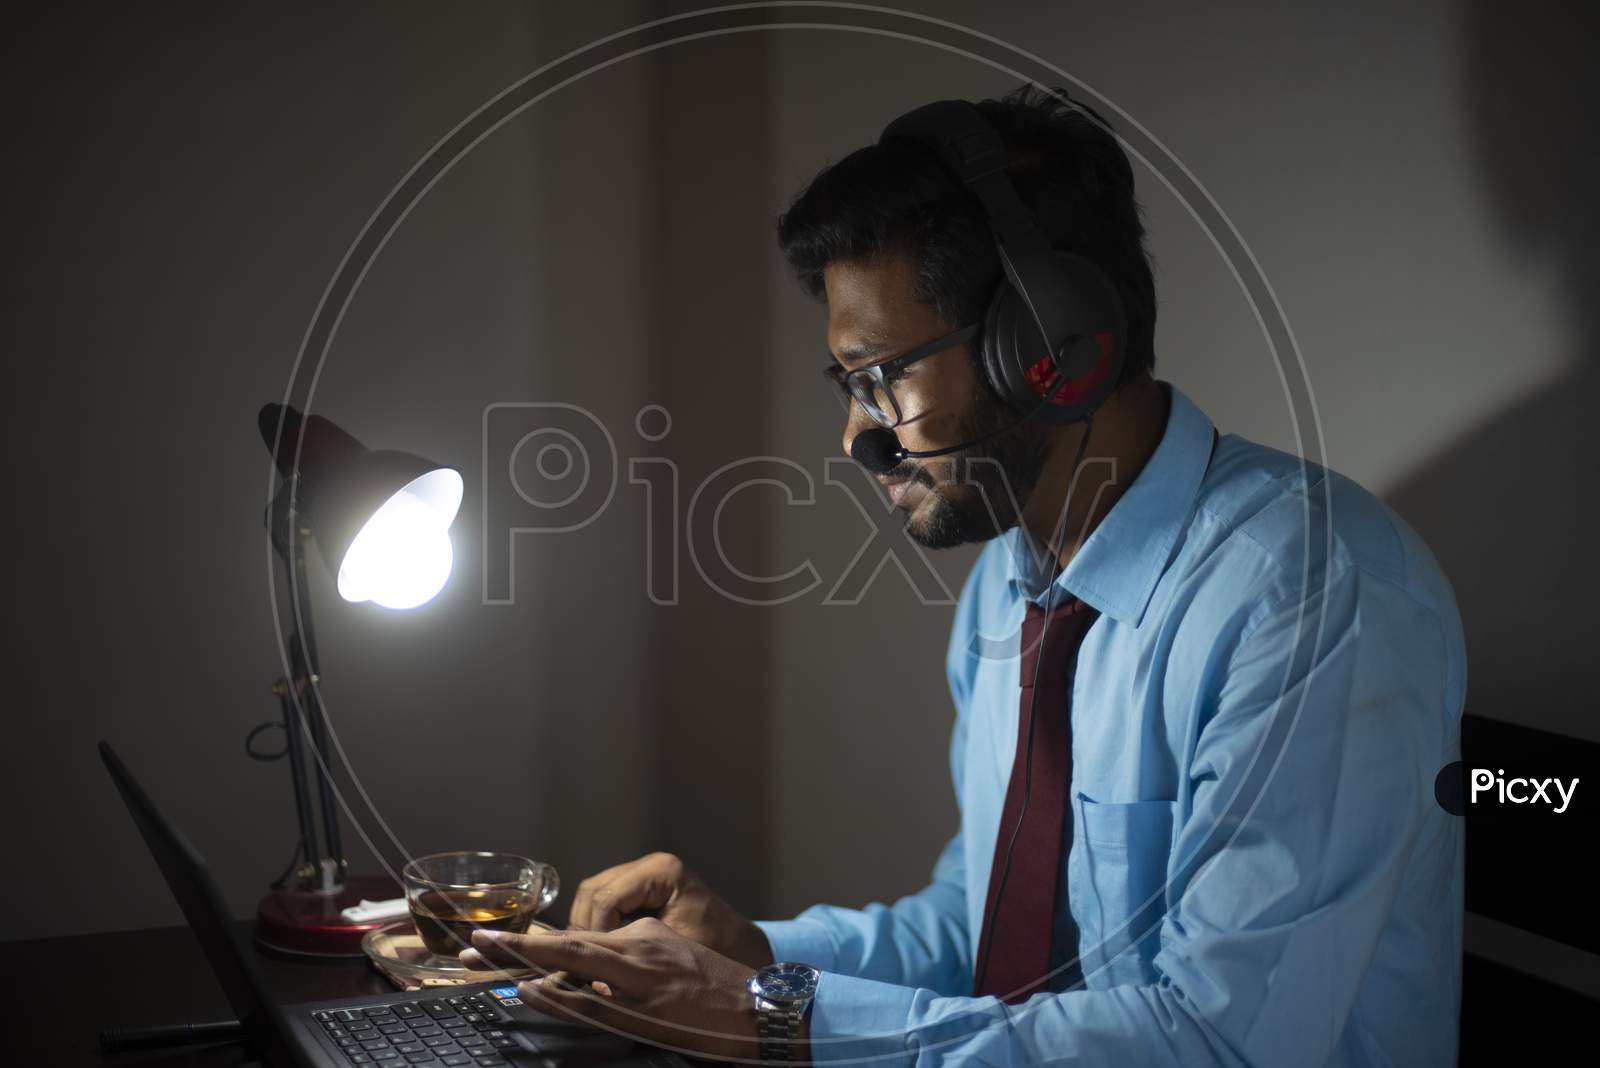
<point>876,374</point>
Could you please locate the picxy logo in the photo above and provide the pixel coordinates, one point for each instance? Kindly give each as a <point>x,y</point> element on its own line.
<point>1521,791</point>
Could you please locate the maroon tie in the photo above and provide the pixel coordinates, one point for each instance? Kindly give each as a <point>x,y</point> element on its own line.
<point>1019,918</point>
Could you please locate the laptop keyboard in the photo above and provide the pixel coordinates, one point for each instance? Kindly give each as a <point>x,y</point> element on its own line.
<point>453,1031</point>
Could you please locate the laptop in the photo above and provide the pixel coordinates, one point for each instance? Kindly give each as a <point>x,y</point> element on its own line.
<point>481,1025</point>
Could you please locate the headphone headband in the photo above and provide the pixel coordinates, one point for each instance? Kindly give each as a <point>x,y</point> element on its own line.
<point>1074,306</point>
<point>971,149</point>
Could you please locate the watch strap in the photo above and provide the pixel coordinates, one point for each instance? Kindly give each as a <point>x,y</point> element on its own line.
<point>783,994</point>
<point>778,1027</point>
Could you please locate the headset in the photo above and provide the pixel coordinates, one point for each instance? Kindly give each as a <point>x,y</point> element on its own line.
<point>1054,336</point>
<point>1055,331</point>
<point>1055,314</point>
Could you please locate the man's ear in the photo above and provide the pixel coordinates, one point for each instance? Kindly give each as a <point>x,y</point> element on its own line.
<point>985,389</point>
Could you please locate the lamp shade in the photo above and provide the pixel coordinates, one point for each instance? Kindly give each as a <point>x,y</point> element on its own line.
<point>380,518</point>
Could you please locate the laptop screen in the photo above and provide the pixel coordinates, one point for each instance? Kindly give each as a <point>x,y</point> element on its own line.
<point>197,894</point>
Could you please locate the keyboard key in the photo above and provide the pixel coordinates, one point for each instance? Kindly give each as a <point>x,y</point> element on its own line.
<point>425,1057</point>
<point>386,1056</point>
<point>474,1040</point>
<point>375,1044</point>
<point>357,1058</point>
<point>408,1011</point>
<point>423,1023</point>
<point>322,1017</point>
<point>503,1043</point>
<point>458,1032</point>
<point>455,1060</point>
<point>348,1040</point>
<point>335,1030</point>
<point>472,1017</point>
<point>346,1015</point>
<point>438,1040</point>
<point>411,1047</point>
<point>437,1009</point>
<point>394,1029</point>
<point>427,1030</point>
<point>360,1025</point>
<point>379,1010</point>
<point>489,1062</point>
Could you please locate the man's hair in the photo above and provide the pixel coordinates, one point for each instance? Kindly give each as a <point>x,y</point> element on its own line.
<point>897,198</point>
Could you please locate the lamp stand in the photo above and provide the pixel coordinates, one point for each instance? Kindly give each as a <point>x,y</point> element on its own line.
<point>300,915</point>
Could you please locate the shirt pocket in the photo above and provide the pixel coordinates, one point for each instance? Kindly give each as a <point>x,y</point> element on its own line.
<point>1117,873</point>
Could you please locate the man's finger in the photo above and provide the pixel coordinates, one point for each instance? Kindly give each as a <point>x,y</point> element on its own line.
<point>555,994</point>
<point>602,901</point>
<point>583,952</point>
<point>471,958</point>
<point>622,896</point>
<point>566,981</point>
<point>578,915</point>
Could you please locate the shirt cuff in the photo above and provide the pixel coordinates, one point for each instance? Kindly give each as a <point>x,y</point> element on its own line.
<point>803,941</point>
<point>860,1020</point>
<point>877,1024</point>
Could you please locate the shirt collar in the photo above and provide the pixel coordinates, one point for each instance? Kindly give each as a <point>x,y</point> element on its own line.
<point>1117,569</point>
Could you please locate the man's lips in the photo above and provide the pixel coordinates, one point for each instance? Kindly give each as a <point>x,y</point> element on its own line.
<point>899,484</point>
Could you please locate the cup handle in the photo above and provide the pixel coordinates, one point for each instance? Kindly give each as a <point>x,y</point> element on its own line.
<point>549,887</point>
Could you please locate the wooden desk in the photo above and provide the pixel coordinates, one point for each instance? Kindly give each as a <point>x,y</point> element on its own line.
<point>59,993</point>
<point>72,987</point>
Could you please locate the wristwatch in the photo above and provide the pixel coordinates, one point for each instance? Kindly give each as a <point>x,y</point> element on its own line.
<point>783,994</point>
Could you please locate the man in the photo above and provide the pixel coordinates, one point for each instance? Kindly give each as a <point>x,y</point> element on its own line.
<point>1205,833</point>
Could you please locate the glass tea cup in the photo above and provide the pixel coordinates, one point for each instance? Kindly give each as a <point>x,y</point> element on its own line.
<point>453,894</point>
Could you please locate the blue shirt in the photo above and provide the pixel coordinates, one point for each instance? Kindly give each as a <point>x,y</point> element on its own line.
<point>1259,871</point>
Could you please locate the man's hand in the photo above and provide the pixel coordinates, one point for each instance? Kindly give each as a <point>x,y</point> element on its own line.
<point>659,986</point>
<point>660,884</point>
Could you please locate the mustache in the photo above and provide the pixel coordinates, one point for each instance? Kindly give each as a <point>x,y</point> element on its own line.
<point>910,472</point>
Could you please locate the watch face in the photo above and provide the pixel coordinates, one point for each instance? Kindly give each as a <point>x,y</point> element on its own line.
<point>787,982</point>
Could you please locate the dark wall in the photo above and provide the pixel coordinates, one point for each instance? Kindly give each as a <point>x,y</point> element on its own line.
<point>183,185</point>
<point>1509,506</point>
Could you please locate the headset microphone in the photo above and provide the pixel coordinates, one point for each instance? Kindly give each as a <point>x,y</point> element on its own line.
<point>880,451</point>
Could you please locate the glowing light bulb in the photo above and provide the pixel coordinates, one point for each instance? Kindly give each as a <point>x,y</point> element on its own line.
<point>401,558</point>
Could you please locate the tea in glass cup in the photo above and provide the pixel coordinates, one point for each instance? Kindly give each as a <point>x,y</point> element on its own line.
<point>453,894</point>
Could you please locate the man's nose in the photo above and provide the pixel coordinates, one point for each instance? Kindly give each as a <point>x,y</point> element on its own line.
<point>855,422</point>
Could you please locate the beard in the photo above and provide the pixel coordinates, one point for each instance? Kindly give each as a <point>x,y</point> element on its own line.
<point>985,488</point>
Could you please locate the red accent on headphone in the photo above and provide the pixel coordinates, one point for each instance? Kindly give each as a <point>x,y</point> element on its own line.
<point>1043,373</point>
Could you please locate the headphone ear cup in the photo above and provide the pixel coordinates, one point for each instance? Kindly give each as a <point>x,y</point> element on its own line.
<point>1018,362</point>
<point>993,351</point>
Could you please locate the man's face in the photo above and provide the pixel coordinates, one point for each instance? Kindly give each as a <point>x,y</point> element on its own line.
<point>873,316</point>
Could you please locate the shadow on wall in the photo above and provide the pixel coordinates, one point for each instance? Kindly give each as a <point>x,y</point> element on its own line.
<point>1510,509</point>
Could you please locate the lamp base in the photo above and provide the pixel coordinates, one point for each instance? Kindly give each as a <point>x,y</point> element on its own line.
<point>306,923</point>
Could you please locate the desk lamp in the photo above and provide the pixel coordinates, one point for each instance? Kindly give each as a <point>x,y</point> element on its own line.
<point>381,521</point>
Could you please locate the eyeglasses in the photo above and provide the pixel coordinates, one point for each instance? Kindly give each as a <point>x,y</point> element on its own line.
<point>870,386</point>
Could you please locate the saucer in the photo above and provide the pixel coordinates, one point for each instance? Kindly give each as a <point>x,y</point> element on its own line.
<point>397,949</point>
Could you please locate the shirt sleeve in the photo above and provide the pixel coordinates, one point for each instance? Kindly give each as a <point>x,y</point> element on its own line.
<point>920,941</point>
<point>1309,778</point>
